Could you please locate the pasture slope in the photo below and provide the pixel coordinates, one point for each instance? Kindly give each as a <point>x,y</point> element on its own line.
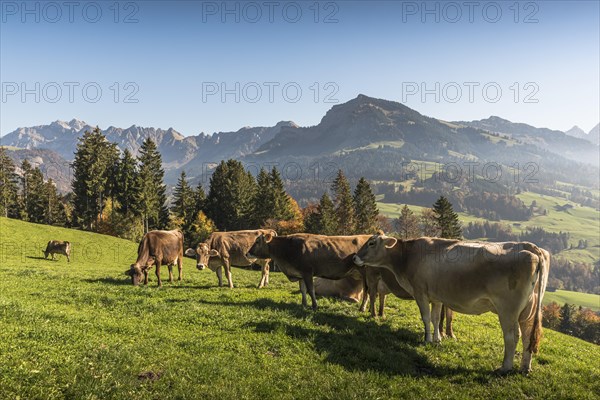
<point>79,330</point>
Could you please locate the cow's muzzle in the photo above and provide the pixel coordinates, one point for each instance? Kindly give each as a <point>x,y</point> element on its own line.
<point>358,261</point>
<point>200,266</point>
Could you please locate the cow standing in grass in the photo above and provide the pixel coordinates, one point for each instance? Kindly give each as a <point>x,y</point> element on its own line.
<point>155,249</point>
<point>58,247</point>
<point>303,256</point>
<point>227,249</point>
<point>507,278</point>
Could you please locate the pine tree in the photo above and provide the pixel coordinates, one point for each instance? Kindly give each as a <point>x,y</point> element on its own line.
<point>35,204</point>
<point>183,199</point>
<point>152,198</point>
<point>230,199</point>
<point>447,219</point>
<point>94,163</point>
<point>344,205</point>
<point>8,186</point>
<point>428,224</point>
<point>54,210</point>
<point>366,208</point>
<point>127,185</point>
<point>326,216</point>
<point>26,171</point>
<point>407,224</point>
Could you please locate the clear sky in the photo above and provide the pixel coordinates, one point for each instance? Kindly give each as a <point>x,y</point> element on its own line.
<point>213,66</point>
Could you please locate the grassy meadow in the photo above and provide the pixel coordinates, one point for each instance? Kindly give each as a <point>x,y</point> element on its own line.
<point>80,330</point>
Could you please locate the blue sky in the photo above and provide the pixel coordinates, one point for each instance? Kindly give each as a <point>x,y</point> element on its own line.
<point>174,58</point>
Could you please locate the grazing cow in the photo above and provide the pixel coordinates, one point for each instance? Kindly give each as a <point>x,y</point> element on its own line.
<point>507,278</point>
<point>381,282</point>
<point>58,247</point>
<point>155,249</point>
<point>227,249</point>
<point>302,256</point>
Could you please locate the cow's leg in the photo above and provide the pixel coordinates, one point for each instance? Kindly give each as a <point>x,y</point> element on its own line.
<point>310,287</point>
<point>526,328</point>
<point>365,293</point>
<point>372,299</point>
<point>436,314</point>
<point>219,272</point>
<point>264,279</point>
<point>158,273</point>
<point>170,266</point>
<point>303,292</point>
<point>180,267</point>
<point>381,303</point>
<point>228,272</point>
<point>145,277</point>
<point>68,258</point>
<point>53,258</point>
<point>423,304</point>
<point>510,331</point>
<point>449,318</point>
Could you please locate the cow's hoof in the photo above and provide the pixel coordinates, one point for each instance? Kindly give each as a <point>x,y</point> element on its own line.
<point>503,372</point>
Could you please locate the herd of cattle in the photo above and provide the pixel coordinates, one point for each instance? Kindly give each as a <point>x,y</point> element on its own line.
<point>506,278</point>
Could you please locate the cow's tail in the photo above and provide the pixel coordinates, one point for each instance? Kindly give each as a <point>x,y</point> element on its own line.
<point>536,331</point>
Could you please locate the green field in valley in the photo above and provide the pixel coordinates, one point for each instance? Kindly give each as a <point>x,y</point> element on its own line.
<point>579,299</point>
<point>80,330</point>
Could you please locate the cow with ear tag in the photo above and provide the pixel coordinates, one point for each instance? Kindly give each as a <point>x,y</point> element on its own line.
<point>506,278</point>
<point>222,250</point>
<point>303,256</point>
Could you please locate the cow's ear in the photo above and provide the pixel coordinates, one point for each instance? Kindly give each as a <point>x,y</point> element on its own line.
<point>389,242</point>
<point>213,253</point>
<point>268,237</point>
<point>128,272</point>
<point>380,232</point>
<point>274,233</point>
<point>190,252</point>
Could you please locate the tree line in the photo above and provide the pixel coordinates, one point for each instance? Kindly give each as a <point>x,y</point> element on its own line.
<point>579,321</point>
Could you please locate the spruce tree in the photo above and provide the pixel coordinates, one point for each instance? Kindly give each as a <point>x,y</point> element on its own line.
<point>264,204</point>
<point>54,211</point>
<point>365,207</point>
<point>344,205</point>
<point>183,200</point>
<point>326,216</point>
<point>231,195</point>
<point>282,206</point>
<point>447,219</point>
<point>127,185</point>
<point>8,186</point>
<point>26,172</point>
<point>199,199</point>
<point>153,198</point>
<point>93,166</point>
<point>35,203</point>
<point>407,224</point>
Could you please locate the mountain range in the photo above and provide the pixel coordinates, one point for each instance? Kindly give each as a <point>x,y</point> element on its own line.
<point>349,132</point>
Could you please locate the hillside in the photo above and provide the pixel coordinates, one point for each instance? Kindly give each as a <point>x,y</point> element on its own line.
<point>80,330</point>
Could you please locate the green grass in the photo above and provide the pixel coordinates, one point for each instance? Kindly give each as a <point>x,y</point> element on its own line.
<point>579,299</point>
<point>79,330</point>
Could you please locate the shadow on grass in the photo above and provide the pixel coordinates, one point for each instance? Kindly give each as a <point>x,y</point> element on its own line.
<point>110,280</point>
<point>354,344</point>
<point>41,258</point>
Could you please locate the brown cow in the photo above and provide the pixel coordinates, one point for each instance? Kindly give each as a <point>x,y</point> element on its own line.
<point>303,256</point>
<point>58,247</point>
<point>506,278</point>
<point>349,288</point>
<point>155,249</point>
<point>227,249</point>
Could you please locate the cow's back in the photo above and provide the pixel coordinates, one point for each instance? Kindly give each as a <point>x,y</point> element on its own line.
<point>166,245</point>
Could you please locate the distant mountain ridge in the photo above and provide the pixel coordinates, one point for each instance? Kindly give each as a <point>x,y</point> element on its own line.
<point>353,133</point>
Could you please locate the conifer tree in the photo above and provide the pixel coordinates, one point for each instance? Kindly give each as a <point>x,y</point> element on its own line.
<point>230,199</point>
<point>183,199</point>
<point>447,219</point>
<point>8,186</point>
<point>54,210</point>
<point>263,200</point>
<point>407,224</point>
<point>153,198</point>
<point>365,207</point>
<point>199,199</point>
<point>94,163</point>
<point>282,206</point>
<point>127,185</point>
<point>344,205</point>
<point>35,203</point>
<point>326,216</point>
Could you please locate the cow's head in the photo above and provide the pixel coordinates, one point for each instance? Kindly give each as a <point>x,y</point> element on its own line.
<point>374,251</point>
<point>260,248</point>
<point>203,253</point>
<point>136,271</point>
